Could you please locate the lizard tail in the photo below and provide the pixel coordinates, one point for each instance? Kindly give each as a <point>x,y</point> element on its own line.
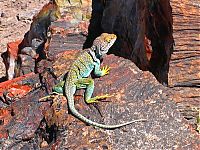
<point>90,122</point>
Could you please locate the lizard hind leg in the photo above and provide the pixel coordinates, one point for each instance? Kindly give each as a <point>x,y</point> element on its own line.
<point>97,98</point>
<point>88,84</point>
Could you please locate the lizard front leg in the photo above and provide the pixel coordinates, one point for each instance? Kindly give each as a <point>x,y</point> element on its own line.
<point>100,72</point>
<point>57,90</point>
<point>88,83</point>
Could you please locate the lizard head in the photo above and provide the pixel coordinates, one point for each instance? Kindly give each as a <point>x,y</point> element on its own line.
<point>102,44</point>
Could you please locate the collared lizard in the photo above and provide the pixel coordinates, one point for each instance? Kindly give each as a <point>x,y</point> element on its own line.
<point>81,68</point>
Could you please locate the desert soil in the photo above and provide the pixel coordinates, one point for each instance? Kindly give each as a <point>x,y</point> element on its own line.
<point>15,20</point>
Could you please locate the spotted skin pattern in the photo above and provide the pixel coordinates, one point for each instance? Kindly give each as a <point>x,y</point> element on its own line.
<point>88,61</point>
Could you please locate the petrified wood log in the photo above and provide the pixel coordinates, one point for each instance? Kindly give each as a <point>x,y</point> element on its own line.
<point>184,74</point>
<point>21,115</point>
<point>35,41</point>
<point>137,94</point>
<point>134,21</point>
<point>186,58</point>
<point>143,97</point>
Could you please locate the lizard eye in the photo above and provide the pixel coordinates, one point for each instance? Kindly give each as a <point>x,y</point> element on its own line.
<point>108,40</point>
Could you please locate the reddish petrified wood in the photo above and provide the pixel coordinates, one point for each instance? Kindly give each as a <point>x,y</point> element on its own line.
<point>186,58</point>
<point>143,97</point>
<point>22,114</point>
<point>10,57</point>
<point>184,71</point>
<point>4,86</point>
<point>136,94</point>
<point>5,117</point>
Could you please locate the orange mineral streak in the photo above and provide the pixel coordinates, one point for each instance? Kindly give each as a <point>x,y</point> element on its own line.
<point>148,48</point>
<point>12,85</point>
<point>5,117</point>
<point>12,48</point>
<point>19,91</point>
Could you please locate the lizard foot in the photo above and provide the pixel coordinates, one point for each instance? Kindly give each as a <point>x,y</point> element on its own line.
<point>105,70</point>
<point>52,95</point>
<point>97,98</point>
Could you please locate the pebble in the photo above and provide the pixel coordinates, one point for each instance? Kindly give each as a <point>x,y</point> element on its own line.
<point>3,14</point>
<point>44,144</point>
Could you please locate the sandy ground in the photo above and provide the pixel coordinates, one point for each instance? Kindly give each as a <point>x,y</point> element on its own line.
<point>15,20</point>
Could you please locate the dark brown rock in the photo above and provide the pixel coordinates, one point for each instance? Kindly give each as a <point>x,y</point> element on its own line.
<point>61,43</point>
<point>143,97</point>
<point>133,21</point>
<point>36,38</point>
<point>39,26</point>
<point>136,94</point>
<point>26,112</point>
<point>27,117</point>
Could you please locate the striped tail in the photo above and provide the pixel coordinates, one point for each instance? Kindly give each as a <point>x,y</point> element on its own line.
<point>90,122</point>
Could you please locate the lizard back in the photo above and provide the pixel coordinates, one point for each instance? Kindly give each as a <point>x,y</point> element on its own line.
<point>81,67</point>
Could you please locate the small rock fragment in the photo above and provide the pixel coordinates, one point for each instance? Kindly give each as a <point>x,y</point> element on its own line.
<point>44,144</point>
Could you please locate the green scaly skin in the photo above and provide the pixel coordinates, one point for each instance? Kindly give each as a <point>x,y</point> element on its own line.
<point>77,78</point>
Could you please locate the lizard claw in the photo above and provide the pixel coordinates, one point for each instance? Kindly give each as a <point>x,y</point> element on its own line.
<point>103,96</point>
<point>105,70</point>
